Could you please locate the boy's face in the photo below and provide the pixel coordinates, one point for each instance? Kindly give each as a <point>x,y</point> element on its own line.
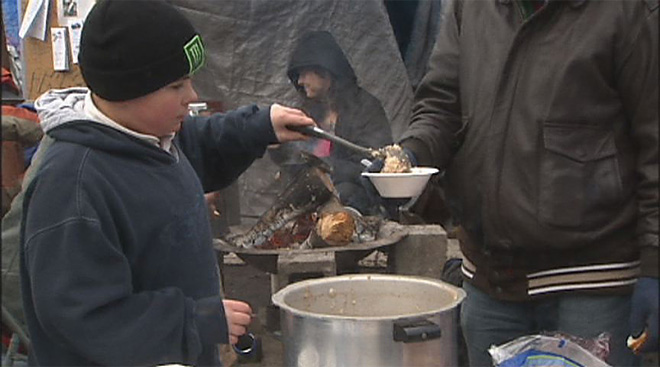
<point>161,112</point>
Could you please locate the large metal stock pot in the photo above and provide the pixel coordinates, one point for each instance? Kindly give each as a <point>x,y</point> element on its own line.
<point>363,320</point>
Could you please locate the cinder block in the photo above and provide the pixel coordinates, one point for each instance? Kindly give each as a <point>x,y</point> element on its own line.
<point>293,267</point>
<point>422,252</point>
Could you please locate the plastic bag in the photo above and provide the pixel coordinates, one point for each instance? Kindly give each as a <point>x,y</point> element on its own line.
<point>555,349</point>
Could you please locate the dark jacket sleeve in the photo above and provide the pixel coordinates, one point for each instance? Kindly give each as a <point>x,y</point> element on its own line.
<point>637,79</point>
<point>364,123</point>
<point>222,146</point>
<point>436,122</point>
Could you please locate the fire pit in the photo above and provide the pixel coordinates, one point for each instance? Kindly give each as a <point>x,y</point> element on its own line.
<point>289,225</point>
<point>307,233</point>
<point>389,233</point>
<point>287,266</point>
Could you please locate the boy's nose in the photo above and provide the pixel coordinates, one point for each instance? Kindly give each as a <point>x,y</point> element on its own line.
<point>191,95</point>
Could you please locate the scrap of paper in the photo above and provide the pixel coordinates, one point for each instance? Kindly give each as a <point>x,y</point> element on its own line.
<point>72,11</point>
<point>59,41</point>
<point>75,29</point>
<point>72,14</point>
<point>35,19</point>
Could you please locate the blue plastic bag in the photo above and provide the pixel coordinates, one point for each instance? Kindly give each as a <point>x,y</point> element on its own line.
<point>556,350</point>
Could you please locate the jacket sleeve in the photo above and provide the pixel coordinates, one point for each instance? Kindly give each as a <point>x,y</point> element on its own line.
<point>82,294</point>
<point>222,146</point>
<point>436,117</point>
<point>637,80</point>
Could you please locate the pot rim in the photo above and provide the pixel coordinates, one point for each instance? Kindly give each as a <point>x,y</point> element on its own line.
<point>278,297</point>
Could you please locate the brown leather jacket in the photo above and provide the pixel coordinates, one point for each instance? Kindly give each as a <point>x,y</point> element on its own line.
<point>548,131</point>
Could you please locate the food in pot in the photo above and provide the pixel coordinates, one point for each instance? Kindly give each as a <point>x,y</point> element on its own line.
<point>337,228</point>
<point>396,160</point>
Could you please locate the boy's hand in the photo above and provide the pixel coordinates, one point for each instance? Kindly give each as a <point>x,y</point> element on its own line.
<point>281,117</point>
<point>239,316</point>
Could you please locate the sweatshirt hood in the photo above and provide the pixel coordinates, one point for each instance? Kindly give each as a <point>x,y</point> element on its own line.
<point>60,106</point>
<point>63,117</point>
<point>319,49</point>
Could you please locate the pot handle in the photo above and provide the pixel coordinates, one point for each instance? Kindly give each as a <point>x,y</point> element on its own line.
<point>411,331</point>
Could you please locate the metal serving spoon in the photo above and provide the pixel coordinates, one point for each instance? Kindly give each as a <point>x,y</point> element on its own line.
<point>316,132</point>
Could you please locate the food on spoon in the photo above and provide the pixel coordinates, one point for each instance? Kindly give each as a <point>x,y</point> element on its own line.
<point>396,160</point>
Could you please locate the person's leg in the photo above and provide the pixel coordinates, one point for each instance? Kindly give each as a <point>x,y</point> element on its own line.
<point>588,316</point>
<point>486,321</point>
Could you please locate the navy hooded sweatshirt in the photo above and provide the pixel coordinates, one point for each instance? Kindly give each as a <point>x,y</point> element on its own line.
<point>117,264</point>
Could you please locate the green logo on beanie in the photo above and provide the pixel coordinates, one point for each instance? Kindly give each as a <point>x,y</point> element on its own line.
<point>194,50</point>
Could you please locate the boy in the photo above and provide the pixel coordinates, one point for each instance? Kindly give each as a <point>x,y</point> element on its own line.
<point>117,266</point>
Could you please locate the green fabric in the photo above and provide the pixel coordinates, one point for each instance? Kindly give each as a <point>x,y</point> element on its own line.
<point>24,131</point>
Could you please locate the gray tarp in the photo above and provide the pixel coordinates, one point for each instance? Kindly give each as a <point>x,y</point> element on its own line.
<point>248,45</point>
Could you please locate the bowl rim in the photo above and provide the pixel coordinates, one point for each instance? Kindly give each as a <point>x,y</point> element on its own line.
<point>416,171</point>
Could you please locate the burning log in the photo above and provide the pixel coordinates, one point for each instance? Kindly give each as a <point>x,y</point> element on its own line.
<point>339,226</point>
<point>334,229</point>
<point>310,189</point>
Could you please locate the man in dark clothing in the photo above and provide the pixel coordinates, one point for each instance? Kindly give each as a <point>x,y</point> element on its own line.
<point>330,94</point>
<point>117,265</point>
<point>544,116</point>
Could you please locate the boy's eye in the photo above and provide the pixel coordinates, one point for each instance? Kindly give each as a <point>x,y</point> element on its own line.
<point>179,84</point>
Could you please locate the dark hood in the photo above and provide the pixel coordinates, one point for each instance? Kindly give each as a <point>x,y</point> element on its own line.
<point>319,49</point>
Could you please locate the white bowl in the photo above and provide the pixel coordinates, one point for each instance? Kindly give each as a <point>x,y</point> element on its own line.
<point>401,185</point>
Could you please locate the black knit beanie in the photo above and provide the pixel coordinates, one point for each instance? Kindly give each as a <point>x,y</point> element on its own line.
<point>130,48</point>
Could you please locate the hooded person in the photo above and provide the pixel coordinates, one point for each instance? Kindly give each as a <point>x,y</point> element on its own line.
<point>116,259</point>
<point>331,95</point>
